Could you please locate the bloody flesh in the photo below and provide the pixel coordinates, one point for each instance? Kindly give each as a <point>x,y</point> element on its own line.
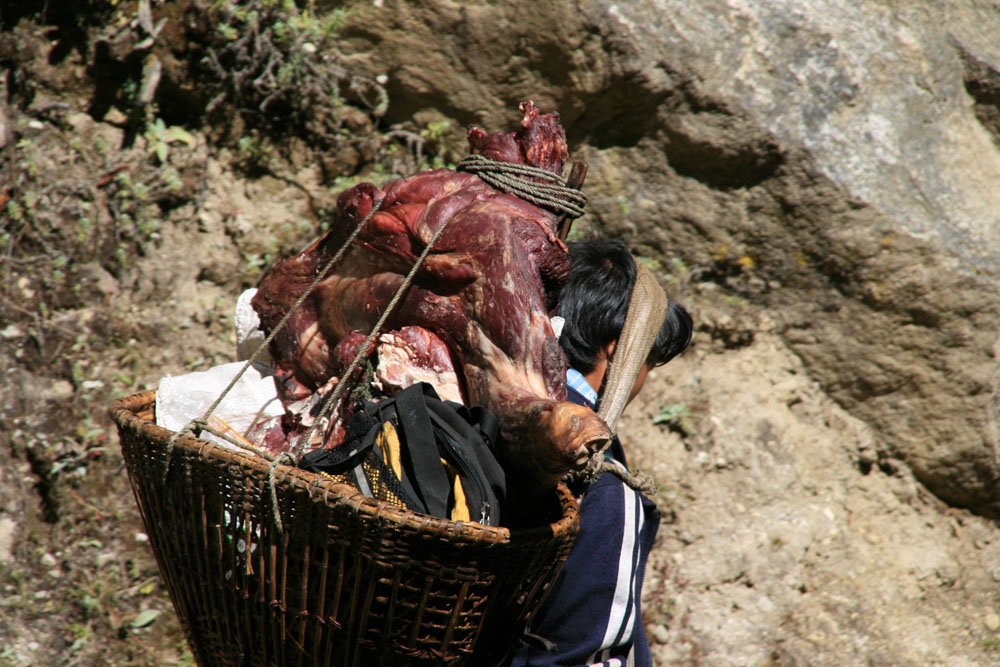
<point>477,308</point>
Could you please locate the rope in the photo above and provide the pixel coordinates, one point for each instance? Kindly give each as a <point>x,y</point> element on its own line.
<point>514,179</point>
<point>284,457</point>
<point>599,465</point>
<point>338,391</point>
<point>332,402</point>
<point>202,422</point>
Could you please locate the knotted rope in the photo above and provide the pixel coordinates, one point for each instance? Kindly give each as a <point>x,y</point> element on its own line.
<point>598,465</point>
<point>515,179</point>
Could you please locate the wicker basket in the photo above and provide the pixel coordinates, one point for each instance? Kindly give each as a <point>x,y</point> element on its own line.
<point>350,580</point>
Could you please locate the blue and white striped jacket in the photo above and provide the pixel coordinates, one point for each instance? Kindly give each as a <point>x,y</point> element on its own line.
<point>593,614</point>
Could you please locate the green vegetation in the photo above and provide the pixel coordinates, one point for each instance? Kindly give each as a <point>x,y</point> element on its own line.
<point>675,416</point>
<point>678,274</point>
<point>160,137</point>
<point>277,66</point>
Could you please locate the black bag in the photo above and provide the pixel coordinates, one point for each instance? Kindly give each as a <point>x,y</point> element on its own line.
<point>419,452</point>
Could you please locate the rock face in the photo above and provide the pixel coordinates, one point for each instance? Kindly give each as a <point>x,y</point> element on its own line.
<point>777,550</point>
<point>830,162</point>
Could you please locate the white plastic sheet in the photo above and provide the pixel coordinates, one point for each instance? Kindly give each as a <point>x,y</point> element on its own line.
<point>179,399</point>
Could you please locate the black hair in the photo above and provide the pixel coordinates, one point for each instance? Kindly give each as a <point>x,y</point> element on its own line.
<point>594,303</point>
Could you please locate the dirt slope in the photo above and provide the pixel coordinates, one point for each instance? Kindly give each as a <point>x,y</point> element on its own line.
<point>128,229</point>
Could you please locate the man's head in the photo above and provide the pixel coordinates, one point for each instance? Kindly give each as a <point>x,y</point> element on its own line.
<point>594,303</point>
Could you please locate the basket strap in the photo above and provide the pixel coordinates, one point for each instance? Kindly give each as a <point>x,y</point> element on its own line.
<point>429,477</point>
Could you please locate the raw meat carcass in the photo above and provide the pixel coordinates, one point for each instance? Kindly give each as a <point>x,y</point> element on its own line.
<point>474,322</point>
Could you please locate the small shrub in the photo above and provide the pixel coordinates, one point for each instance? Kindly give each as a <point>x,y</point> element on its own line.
<point>675,416</point>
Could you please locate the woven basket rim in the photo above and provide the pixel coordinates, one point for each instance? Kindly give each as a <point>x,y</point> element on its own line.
<point>125,413</point>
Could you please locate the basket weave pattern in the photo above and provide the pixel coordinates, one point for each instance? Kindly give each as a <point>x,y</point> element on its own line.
<point>350,580</point>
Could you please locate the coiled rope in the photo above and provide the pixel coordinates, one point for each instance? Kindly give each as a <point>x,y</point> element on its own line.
<point>515,179</point>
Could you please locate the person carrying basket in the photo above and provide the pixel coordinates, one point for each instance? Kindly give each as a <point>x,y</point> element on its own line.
<point>612,307</point>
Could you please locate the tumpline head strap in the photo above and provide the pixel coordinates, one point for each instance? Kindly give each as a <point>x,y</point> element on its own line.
<point>647,309</point>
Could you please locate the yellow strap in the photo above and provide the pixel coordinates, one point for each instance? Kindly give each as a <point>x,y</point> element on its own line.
<point>388,442</point>
<point>460,507</point>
